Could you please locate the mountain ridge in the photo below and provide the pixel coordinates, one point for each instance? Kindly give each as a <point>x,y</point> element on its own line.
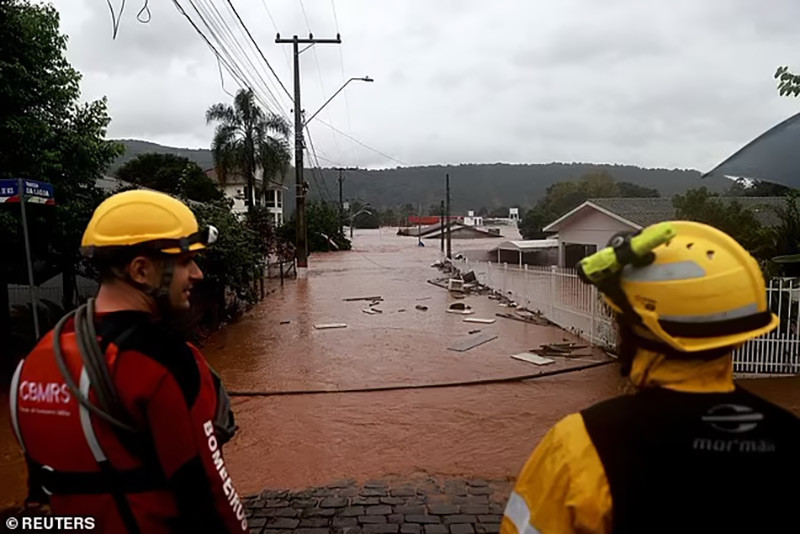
<point>473,185</point>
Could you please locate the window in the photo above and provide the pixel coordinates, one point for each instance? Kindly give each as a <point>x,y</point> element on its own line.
<point>279,199</point>
<point>271,198</point>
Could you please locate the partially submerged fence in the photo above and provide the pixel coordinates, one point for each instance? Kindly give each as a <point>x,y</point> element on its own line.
<point>564,299</point>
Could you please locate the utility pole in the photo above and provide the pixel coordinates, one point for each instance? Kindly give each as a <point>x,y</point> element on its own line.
<point>419,224</point>
<point>441,222</point>
<point>447,214</point>
<point>341,201</point>
<point>301,223</point>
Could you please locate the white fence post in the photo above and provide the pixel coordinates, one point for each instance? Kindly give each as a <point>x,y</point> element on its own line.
<point>527,287</point>
<point>593,296</point>
<point>552,292</point>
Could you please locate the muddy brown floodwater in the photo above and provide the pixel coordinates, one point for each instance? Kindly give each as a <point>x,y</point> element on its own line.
<point>303,440</point>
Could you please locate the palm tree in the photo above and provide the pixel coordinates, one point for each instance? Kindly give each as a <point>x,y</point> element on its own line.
<point>247,139</point>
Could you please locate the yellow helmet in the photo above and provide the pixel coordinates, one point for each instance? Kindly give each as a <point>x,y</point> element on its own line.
<point>144,218</point>
<point>703,291</point>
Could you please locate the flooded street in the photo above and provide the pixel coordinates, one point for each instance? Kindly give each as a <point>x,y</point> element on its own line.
<point>296,441</point>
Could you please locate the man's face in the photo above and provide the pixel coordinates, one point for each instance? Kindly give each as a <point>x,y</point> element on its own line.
<point>185,275</point>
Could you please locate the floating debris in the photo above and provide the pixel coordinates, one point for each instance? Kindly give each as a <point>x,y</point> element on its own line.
<point>471,342</point>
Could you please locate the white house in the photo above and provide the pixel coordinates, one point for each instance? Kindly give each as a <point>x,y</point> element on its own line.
<point>513,215</point>
<point>234,187</point>
<point>472,220</point>
<point>591,225</point>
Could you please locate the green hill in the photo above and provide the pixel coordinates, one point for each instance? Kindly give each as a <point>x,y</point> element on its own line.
<point>473,185</point>
<point>134,147</point>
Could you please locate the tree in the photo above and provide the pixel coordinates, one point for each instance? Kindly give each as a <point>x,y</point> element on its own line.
<point>47,134</point>
<point>406,211</point>
<point>229,267</point>
<point>248,139</point>
<point>323,227</point>
<point>171,174</point>
<point>727,215</point>
<point>502,211</point>
<point>562,197</point>
<point>629,190</point>
<point>788,83</point>
<point>786,235</point>
<point>388,217</point>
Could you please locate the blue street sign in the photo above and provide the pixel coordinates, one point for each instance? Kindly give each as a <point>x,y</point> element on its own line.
<point>35,192</point>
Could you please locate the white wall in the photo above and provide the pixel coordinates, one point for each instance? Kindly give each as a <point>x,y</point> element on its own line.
<point>236,192</point>
<point>591,228</point>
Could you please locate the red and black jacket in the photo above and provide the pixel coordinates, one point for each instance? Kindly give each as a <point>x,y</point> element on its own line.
<point>170,476</point>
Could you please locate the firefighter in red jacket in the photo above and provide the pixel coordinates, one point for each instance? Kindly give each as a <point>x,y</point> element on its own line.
<point>119,417</point>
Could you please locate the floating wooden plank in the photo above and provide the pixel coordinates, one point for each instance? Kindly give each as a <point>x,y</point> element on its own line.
<point>369,311</point>
<point>465,344</point>
<point>479,320</point>
<point>539,321</point>
<point>461,312</point>
<point>327,326</point>
<point>533,358</point>
<point>353,299</point>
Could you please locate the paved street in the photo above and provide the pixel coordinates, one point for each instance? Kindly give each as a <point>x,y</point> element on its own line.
<point>452,506</point>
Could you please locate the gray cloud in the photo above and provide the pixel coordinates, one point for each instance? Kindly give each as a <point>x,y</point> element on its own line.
<point>675,84</point>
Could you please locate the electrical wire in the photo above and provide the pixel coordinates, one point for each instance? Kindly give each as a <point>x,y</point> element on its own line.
<point>387,156</point>
<point>316,175</point>
<point>145,9</point>
<point>217,32</point>
<point>341,64</point>
<point>222,80</point>
<point>291,99</point>
<point>319,72</point>
<point>208,42</point>
<point>316,160</point>
<point>224,29</point>
<point>230,64</point>
<point>115,18</point>
<point>277,31</point>
<point>464,383</point>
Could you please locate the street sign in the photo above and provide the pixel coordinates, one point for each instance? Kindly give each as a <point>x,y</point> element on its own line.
<point>35,192</point>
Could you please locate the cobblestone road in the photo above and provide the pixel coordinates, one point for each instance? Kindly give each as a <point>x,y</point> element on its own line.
<point>427,506</point>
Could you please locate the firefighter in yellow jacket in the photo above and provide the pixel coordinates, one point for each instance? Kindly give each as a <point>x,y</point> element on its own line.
<point>690,451</point>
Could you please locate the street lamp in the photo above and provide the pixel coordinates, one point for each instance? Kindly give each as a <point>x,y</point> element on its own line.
<point>364,79</point>
<point>353,218</point>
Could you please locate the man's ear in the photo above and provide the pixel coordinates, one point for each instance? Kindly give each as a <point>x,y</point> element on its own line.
<point>141,269</point>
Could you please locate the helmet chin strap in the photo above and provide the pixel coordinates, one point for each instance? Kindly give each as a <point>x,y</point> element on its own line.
<point>630,342</point>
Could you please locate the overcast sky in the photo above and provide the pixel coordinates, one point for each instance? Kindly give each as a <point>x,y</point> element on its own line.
<point>670,83</point>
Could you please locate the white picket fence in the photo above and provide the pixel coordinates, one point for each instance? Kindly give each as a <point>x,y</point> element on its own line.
<point>565,300</point>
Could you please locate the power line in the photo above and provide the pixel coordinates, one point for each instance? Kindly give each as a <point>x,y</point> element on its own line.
<point>387,156</point>
<point>228,44</point>
<point>208,42</point>
<point>233,68</point>
<point>259,51</point>
<point>314,153</point>
<point>341,64</point>
<point>225,30</point>
<point>319,70</point>
<point>274,25</point>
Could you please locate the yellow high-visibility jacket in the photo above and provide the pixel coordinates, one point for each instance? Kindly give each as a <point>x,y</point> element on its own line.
<point>563,488</point>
